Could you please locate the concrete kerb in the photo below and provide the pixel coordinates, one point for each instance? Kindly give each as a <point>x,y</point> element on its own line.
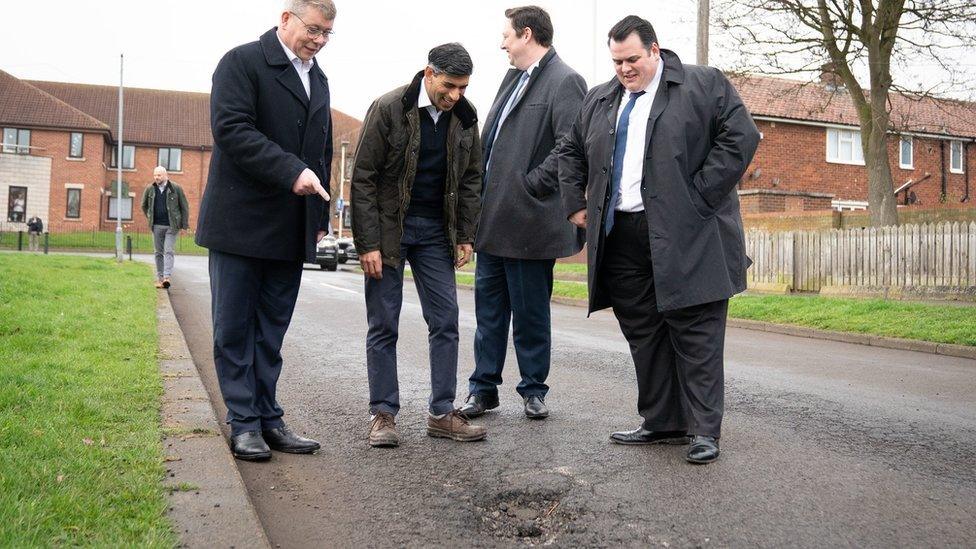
<point>947,349</point>
<point>208,503</point>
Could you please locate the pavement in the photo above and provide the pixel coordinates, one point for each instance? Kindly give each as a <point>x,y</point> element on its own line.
<point>825,443</point>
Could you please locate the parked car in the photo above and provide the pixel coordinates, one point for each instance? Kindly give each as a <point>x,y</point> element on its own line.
<point>347,250</point>
<point>327,253</point>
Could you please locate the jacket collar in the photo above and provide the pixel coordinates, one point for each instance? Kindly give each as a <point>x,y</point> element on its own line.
<point>464,110</point>
<point>275,56</point>
<point>674,73</point>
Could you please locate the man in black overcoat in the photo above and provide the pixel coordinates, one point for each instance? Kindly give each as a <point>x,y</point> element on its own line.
<point>264,209</point>
<point>650,170</point>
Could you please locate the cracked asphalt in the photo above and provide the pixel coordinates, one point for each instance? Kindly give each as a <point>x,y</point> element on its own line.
<point>824,443</point>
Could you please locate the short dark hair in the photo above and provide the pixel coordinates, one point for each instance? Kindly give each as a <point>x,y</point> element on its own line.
<point>534,18</point>
<point>451,59</point>
<point>629,25</point>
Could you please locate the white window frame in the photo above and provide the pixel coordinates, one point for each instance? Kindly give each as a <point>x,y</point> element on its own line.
<point>125,148</point>
<point>168,164</point>
<point>127,202</point>
<point>838,137</point>
<point>910,165</point>
<point>961,157</point>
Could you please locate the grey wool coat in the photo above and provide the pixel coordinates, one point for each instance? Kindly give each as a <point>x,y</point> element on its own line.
<point>521,211</point>
<point>700,140</point>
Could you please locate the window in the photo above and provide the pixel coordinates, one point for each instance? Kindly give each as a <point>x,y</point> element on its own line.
<point>128,157</point>
<point>955,157</point>
<point>844,147</point>
<point>16,140</point>
<point>113,206</point>
<point>17,204</point>
<point>73,210</point>
<point>906,156</point>
<point>171,159</point>
<point>76,146</point>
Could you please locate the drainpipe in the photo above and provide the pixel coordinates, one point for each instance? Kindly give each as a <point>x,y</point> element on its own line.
<point>965,156</point>
<point>945,178</point>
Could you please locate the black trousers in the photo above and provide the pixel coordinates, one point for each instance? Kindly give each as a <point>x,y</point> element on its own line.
<point>252,301</point>
<point>678,354</point>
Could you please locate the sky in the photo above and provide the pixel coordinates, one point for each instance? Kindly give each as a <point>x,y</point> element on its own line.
<point>378,44</point>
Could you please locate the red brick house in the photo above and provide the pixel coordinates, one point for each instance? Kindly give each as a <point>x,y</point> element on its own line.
<point>60,145</point>
<point>810,155</point>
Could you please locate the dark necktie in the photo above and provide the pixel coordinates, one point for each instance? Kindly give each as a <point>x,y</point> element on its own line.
<point>619,148</point>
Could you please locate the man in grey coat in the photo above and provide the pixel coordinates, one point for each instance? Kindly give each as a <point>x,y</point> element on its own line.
<point>650,169</point>
<point>523,229</point>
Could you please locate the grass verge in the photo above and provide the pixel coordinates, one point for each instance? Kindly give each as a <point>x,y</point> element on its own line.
<point>79,404</point>
<point>103,241</point>
<point>954,324</point>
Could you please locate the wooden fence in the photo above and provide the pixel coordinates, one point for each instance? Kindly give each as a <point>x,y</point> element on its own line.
<point>909,256</point>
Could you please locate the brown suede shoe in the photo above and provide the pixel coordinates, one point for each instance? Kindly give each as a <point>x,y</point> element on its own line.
<point>166,282</point>
<point>455,427</point>
<point>159,284</point>
<point>382,431</point>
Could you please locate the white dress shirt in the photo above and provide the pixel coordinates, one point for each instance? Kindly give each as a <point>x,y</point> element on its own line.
<point>303,68</point>
<point>630,199</point>
<point>423,101</point>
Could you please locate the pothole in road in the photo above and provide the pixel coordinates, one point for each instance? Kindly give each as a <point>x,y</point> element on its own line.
<point>535,518</point>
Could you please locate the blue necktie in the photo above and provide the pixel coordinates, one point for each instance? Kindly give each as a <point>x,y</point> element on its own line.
<point>504,114</point>
<point>619,148</point>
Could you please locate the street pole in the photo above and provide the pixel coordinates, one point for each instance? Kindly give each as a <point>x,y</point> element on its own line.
<point>118,172</point>
<point>703,18</point>
<point>342,181</point>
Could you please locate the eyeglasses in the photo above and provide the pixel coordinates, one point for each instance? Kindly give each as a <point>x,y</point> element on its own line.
<point>314,32</point>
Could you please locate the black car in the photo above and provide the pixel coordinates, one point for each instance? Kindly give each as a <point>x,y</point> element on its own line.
<point>327,254</point>
<point>347,250</point>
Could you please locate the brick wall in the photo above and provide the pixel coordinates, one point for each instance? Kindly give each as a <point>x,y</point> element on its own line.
<point>792,157</point>
<point>809,221</point>
<point>86,171</point>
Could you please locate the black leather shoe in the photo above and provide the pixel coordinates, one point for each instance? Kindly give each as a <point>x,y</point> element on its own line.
<point>283,439</point>
<point>643,436</point>
<point>250,446</point>
<point>703,450</point>
<point>535,407</point>
<point>478,404</point>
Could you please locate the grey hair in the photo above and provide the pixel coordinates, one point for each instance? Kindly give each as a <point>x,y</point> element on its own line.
<point>325,7</point>
<point>450,58</point>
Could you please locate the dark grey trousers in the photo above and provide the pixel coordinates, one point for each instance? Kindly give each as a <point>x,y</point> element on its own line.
<point>678,354</point>
<point>426,247</point>
<point>252,302</point>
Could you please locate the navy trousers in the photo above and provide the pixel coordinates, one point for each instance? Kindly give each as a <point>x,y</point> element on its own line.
<point>517,292</point>
<point>426,247</point>
<point>252,301</point>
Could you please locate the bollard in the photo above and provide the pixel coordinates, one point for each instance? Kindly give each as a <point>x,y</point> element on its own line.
<point>20,241</point>
<point>47,238</point>
<point>128,245</point>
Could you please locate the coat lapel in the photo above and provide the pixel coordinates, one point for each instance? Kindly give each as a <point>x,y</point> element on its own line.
<point>319,89</point>
<point>292,82</point>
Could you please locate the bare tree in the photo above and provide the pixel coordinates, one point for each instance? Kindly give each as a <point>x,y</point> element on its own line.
<point>857,37</point>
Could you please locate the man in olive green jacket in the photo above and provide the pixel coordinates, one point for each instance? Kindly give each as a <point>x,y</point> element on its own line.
<point>416,190</point>
<point>168,212</point>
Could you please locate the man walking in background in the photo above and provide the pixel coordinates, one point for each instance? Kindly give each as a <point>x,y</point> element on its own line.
<point>34,229</point>
<point>523,229</point>
<point>166,209</point>
<point>264,209</point>
<point>416,195</point>
<point>650,169</point>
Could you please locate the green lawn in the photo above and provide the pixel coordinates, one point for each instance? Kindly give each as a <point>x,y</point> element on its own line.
<point>905,319</point>
<point>80,391</point>
<point>103,241</point>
